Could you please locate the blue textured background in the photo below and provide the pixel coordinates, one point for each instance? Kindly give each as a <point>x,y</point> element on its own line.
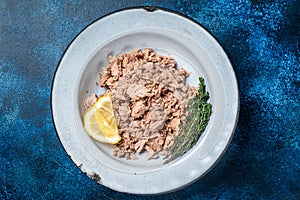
<point>262,41</point>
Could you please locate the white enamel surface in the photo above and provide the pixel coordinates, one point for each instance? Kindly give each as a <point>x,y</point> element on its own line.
<point>167,33</point>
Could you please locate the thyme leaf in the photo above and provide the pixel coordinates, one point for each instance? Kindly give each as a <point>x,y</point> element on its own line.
<point>197,120</point>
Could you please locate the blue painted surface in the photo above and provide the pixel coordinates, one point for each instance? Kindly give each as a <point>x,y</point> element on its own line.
<point>262,41</point>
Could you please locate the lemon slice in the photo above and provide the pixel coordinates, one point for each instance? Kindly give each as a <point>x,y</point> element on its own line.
<point>100,122</point>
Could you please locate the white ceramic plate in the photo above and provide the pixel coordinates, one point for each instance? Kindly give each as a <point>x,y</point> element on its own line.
<point>167,33</point>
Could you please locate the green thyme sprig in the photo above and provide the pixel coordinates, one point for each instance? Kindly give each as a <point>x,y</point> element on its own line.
<point>197,120</point>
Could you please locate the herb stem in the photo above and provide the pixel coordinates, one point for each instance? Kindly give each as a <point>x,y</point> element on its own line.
<point>190,132</point>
